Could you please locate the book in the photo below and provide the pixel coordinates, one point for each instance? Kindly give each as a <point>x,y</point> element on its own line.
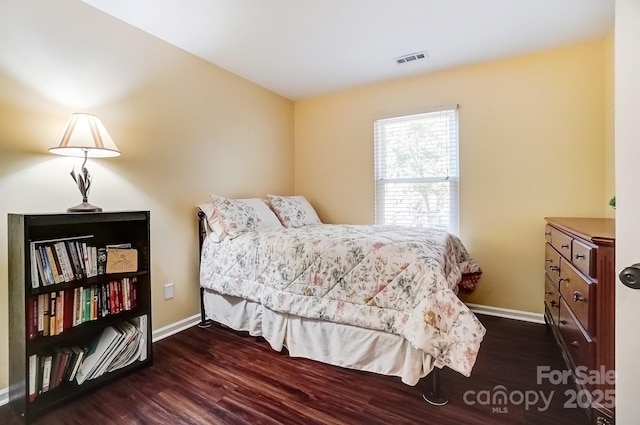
<point>74,313</point>
<point>33,254</point>
<point>45,315</point>
<point>42,300</point>
<point>101,260</point>
<point>72,251</point>
<point>118,346</point>
<point>134,292</point>
<point>60,253</point>
<point>104,305</point>
<point>121,260</point>
<point>33,376</point>
<point>46,372</point>
<point>128,294</point>
<point>65,357</point>
<point>86,304</point>
<point>85,259</point>
<point>96,302</point>
<point>120,293</point>
<point>48,273</point>
<point>93,255</point>
<point>55,365</point>
<point>113,303</point>
<point>53,263</point>
<point>92,305</point>
<point>67,318</point>
<point>59,312</point>
<point>32,317</point>
<point>52,314</point>
<point>80,303</point>
<point>41,277</point>
<point>76,360</point>
<point>128,351</point>
<point>100,348</point>
<point>39,370</point>
<point>142,324</point>
<point>78,246</point>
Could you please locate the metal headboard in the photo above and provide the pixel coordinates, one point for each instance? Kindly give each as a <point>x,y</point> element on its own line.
<point>202,234</point>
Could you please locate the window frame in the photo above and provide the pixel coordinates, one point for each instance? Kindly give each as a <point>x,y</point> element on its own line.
<point>452,178</point>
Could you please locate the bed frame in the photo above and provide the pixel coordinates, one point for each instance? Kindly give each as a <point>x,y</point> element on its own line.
<point>432,391</point>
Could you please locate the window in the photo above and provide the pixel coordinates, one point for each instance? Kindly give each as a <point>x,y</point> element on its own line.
<point>416,170</point>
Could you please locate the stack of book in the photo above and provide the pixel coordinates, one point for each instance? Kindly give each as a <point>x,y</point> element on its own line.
<point>48,371</point>
<point>64,260</point>
<point>117,347</point>
<point>53,313</point>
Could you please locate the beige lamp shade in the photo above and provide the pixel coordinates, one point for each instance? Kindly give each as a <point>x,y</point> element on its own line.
<point>84,134</point>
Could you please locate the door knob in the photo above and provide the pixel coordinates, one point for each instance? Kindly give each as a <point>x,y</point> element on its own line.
<point>630,276</point>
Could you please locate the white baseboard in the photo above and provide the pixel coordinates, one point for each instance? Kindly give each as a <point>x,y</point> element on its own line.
<point>176,327</point>
<point>157,335</point>
<point>525,316</point>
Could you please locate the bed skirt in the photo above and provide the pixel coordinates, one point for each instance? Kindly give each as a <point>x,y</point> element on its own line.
<point>332,343</point>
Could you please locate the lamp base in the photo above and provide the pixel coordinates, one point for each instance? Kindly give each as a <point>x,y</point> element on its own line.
<point>84,207</point>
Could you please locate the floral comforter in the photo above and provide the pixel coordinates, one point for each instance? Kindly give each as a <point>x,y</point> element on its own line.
<point>394,279</point>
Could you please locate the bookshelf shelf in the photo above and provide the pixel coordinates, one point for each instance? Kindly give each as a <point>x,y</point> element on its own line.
<point>102,329</point>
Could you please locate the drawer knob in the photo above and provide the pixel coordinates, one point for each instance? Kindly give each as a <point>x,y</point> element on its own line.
<point>563,322</point>
<point>554,268</point>
<point>548,260</point>
<point>575,344</point>
<point>562,279</point>
<point>553,303</point>
<point>547,233</point>
<point>580,257</point>
<point>577,296</point>
<point>564,246</point>
<point>548,293</point>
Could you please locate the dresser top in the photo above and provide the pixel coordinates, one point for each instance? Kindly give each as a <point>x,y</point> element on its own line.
<point>593,229</point>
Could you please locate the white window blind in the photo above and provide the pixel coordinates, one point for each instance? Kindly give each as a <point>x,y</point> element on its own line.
<point>416,170</point>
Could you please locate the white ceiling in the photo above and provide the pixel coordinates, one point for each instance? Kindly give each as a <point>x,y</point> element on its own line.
<point>302,48</point>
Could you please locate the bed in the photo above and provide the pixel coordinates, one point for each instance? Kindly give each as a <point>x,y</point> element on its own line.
<point>382,299</point>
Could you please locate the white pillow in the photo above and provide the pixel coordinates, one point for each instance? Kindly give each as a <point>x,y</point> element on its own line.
<point>237,216</point>
<point>293,211</point>
<point>217,233</point>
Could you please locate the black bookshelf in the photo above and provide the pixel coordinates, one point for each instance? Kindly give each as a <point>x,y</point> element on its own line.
<point>126,298</point>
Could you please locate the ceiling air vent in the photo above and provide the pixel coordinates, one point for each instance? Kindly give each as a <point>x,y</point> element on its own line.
<point>411,57</point>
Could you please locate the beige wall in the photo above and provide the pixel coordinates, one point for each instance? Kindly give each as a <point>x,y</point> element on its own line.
<point>185,129</point>
<point>532,144</point>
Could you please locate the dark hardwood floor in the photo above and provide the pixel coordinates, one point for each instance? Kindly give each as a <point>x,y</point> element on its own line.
<point>218,376</point>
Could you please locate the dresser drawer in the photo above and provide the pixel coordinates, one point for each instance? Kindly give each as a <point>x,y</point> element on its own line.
<point>552,263</point>
<point>584,257</point>
<point>578,344</point>
<point>552,299</point>
<point>561,242</point>
<point>579,294</point>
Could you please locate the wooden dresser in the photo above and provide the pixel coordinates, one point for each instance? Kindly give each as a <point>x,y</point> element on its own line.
<point>579,303</point>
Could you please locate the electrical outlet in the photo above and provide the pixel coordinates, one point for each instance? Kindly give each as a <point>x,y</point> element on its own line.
<point>168,290</point>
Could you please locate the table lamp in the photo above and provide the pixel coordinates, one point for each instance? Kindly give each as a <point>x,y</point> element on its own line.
<point>85,136</point>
